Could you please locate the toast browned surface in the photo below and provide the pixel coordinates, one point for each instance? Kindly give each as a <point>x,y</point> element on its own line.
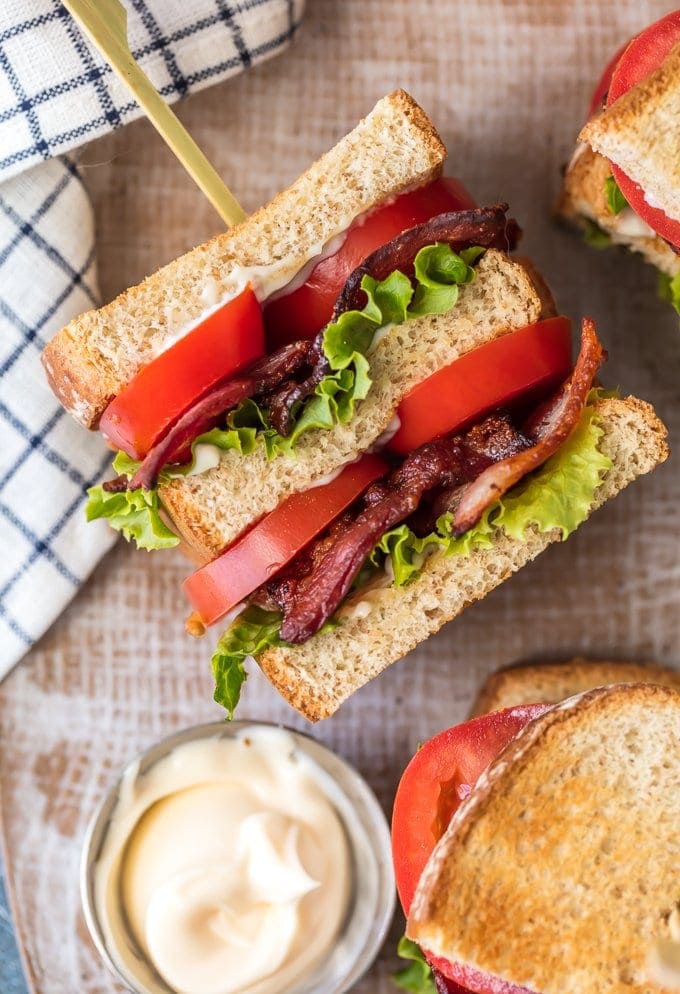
<point>640,132</point>
<point>559,872</point>
<point>395,147</point>
<point>318,676</point>
<point>549,683</point>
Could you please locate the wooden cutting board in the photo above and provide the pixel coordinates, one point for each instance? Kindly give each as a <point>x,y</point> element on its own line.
<point>507,83</point>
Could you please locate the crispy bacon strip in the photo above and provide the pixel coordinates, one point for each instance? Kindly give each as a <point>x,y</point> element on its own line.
<point>548,428</point>
<point>495,438</point>
<point>385,504</point>
<point>265,375</point>
<point>485,226</point>
<point>283,400</point>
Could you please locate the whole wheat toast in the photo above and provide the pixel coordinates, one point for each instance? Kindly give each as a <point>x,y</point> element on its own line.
<point>549,683</point>
<point>559,871</point>
<point>640,132</point>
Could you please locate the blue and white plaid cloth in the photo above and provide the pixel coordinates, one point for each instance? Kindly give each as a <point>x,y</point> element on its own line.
<point>56,92</point>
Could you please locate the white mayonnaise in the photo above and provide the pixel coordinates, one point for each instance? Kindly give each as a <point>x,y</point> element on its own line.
<point>229,862</point>
<point>206,457</point>
<point>378,337</point>
<point>268,281</point>
<point>631,225</point>
<point>387,435</point>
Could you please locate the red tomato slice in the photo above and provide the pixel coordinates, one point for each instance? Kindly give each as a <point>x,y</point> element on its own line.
<point>527,361</point>
<point>300,313</point>
<point>436,781</point>
<point>602,89</point>
<point>227,341</point>
<point>255,557</point>
<point>643,56</point>
<point>434,784</point>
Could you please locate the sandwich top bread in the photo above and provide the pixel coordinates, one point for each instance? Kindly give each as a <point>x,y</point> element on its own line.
<point>623,182</point>
<point>358,448</point>
<point>556,872</point>
<point>395,148</point>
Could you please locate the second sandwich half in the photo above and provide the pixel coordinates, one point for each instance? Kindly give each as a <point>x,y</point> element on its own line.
<point>356,408</point>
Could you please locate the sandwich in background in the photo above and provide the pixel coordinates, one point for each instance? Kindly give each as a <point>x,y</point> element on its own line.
<point>560,823</point>
<point>622,185</point>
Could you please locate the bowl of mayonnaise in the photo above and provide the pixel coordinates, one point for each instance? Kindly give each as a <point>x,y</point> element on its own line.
<point>238,859</point>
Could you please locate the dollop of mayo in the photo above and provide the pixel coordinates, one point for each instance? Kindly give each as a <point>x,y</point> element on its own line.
<point>226,865</point>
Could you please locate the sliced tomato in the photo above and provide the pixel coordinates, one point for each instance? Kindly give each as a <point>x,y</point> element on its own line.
<point>437,780</point>
<point>227,341</point>
<point>303,311</point>
<point>525,362</point>
<point>643,56</point>
<point>599,96</point>
<point>255,557</point>
<point>434,784</point>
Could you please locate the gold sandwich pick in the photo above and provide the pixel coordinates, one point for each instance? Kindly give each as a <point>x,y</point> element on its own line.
<point>105,23</point>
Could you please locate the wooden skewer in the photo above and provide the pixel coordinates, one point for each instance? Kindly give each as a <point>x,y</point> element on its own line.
<point>105,23</point>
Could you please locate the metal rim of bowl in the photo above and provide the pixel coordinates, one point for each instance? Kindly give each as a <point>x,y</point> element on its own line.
<point>354,788</point>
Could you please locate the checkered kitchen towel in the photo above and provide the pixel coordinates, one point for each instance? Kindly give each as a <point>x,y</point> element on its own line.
<point>56,93</point>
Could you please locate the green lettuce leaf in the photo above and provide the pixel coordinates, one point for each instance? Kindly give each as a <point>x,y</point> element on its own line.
<point>134,513</point>
<point>253,631</point>
<point>669,289</point>
<point>615,199</point>
<point>594,235</point>
<point>417,977</point>
<point>558,495</point>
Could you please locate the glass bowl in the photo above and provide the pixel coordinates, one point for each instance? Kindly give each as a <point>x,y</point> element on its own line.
<point>372,898</point>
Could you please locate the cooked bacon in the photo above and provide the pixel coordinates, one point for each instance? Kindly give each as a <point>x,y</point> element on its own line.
<point>547,428</point>
<point>465,473</point>
<point>384,504</point>
<point>264,376</point>
<point>487,443</point>
<point>283,400</point>
<point>485,226</point>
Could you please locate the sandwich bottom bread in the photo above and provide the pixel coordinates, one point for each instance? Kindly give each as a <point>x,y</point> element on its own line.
<point>535,847</point>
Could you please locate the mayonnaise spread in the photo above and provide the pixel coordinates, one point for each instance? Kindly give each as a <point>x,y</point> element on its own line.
<point>228,866</point>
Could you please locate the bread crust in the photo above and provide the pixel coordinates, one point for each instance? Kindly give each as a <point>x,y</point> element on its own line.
<point>395,147</point>
<point>315,678</point>
<point>549,682</point>
<point>558,871</point>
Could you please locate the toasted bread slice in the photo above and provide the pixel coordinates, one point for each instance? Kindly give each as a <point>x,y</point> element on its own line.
<point>318,676</point>
<point>640,132</point>
<point>559,872</point>
<point>549,683</point>
<point>395,147</point>
<point>583,199</point>
<point>212,509</point>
